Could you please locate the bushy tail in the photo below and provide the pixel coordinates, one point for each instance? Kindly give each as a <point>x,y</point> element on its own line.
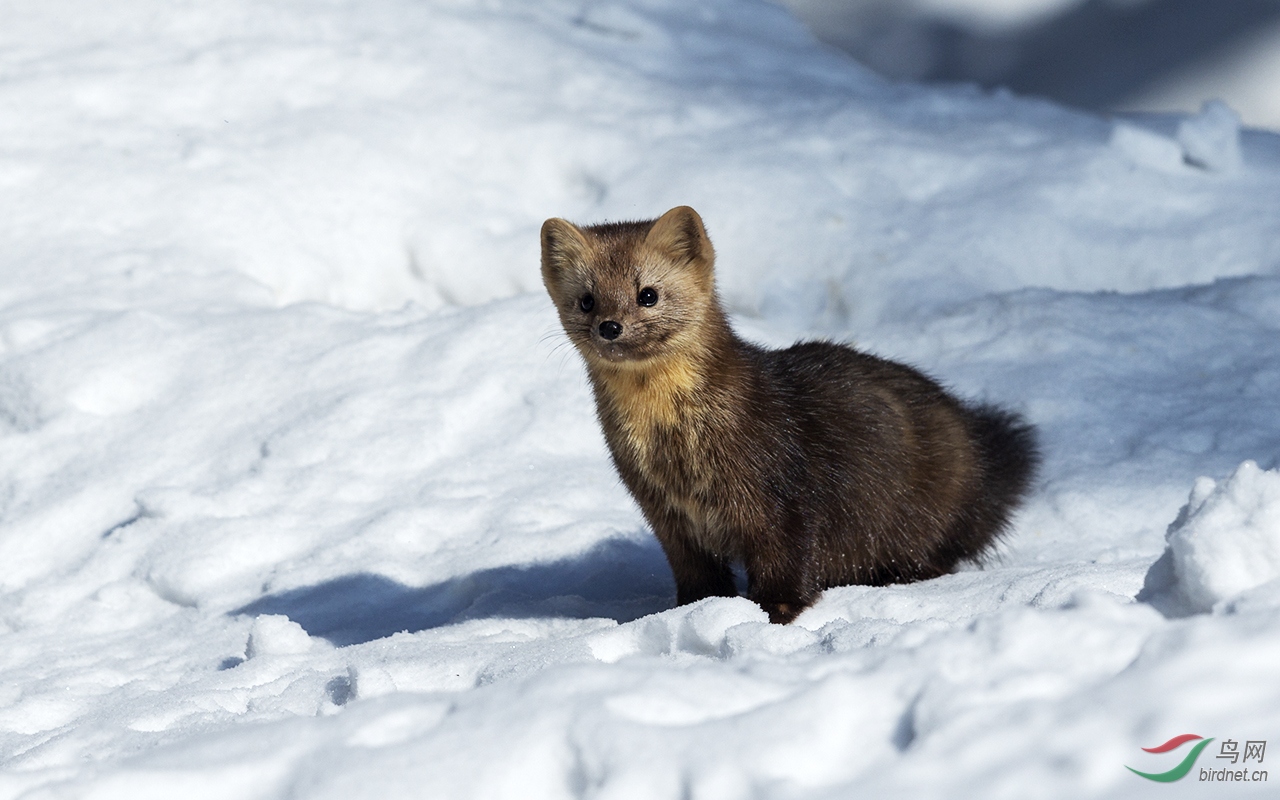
<point>1010,458</point>
<point>1010,454</point>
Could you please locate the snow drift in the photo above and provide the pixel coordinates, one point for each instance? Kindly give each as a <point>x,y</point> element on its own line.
<point>1225,541</point>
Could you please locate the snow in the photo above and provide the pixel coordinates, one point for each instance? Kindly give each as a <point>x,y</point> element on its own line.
<point>301,492</point>
<point>1212,138</point>
<point>1225,542</point>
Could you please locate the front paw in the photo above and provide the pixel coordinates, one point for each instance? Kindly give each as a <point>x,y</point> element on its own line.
<point>781,613</point>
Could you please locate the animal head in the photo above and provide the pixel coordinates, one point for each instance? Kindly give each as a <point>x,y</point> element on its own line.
<point>631,292</point>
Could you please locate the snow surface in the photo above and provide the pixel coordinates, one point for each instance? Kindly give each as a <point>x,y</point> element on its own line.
<point>1224,545</point>
<point>301,493</point>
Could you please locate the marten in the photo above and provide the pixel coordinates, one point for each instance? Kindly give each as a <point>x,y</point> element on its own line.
<point>812,467</point>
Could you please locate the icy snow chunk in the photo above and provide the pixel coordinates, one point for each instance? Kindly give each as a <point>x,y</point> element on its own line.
<point>703,631</point>
<point>276,634</point>
<point>1226,539</point>
<point>1211,139</point>
<point>699,629</point>
<point>648,636</point>
<point>372,681</point>
<point>766,638</point>
<point>1147,148</point>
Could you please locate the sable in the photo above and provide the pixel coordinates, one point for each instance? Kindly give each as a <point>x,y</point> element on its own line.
<point>813,466</point>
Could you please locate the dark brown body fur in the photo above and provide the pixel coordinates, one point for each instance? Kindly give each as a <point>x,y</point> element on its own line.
<point>814,466</point>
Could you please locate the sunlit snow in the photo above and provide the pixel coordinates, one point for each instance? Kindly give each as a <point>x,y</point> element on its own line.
<point>301,490</point>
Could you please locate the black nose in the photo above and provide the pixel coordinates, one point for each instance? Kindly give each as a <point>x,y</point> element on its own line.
<point>610,329</point>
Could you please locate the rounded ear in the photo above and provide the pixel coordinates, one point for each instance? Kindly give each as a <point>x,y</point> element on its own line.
<point>563,247</point>
<point>680,235</point>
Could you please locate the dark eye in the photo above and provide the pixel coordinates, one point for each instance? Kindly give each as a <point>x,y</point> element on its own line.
<point>587,303</point>
<point>647,297</point>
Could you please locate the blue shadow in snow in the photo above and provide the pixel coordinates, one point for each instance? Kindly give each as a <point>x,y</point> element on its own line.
<point>617,579</point>
<point>1094,54</point>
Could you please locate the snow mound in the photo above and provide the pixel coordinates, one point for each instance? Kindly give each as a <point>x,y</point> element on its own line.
<point>1225,541</point>
<point>276,634</point>
<point>1212,138</point>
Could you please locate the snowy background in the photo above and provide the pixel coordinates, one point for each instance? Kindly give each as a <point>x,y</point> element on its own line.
<point>1106,55</point>
<point>301,492</point>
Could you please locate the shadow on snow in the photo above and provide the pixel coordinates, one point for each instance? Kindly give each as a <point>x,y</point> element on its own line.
<point>1094,54</point>
<point>617,579</point>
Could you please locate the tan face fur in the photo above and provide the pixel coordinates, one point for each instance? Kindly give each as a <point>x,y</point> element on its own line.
<point>601,277</point>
